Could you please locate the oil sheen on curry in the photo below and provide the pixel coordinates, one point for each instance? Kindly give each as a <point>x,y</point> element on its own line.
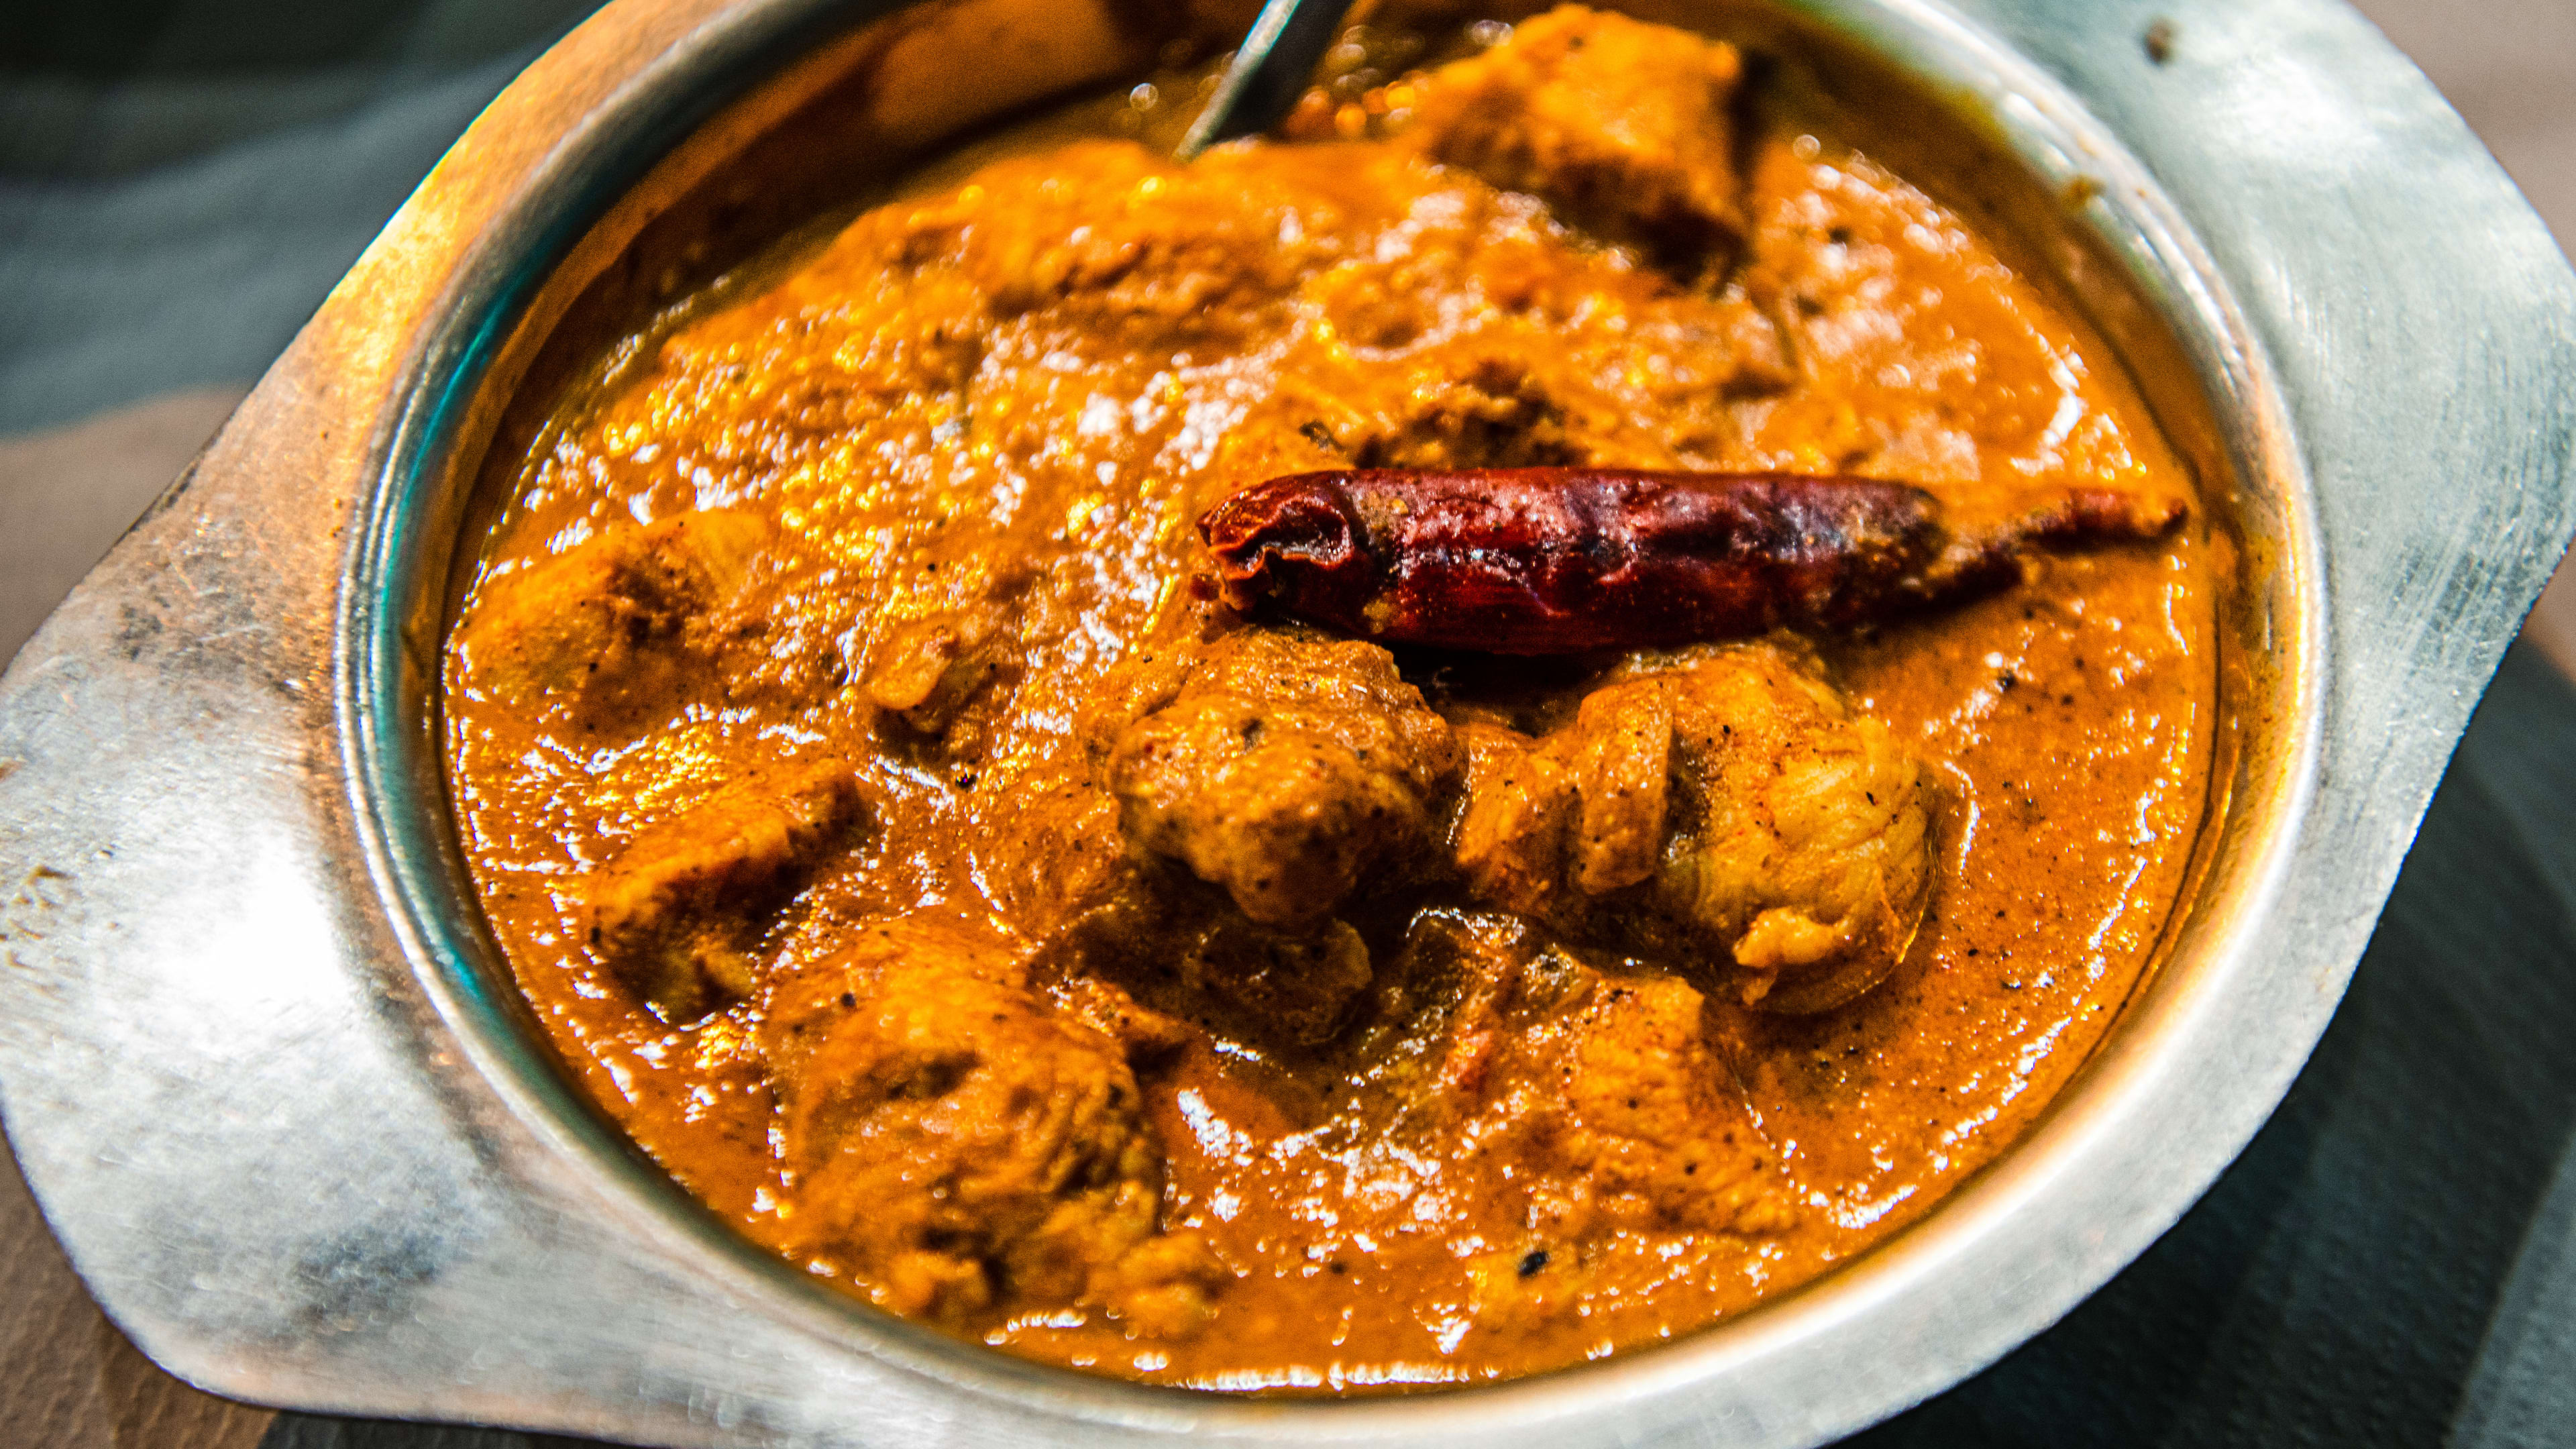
<point>1458,740</point>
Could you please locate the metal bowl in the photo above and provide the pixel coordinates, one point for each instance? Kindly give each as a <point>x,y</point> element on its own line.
<point>271,1084</point>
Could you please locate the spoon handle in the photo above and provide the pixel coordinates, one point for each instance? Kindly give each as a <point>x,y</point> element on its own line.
<point>1269,71</point>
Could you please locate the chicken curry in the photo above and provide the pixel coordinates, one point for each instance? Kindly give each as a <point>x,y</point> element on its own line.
<point>1460,739</point>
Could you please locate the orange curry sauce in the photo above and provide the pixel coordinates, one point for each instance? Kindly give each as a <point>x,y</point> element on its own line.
<point>979,427</point>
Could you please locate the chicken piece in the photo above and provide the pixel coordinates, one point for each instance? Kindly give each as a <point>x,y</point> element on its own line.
<point>1602,1090</point>
<point>1746,805</point>
<point>1292,987</point>
<point>1589,1094</point>
<point>1483,410</point>
<point>1150,1037</point>
<point>1662,1142</point>
<point>1620,756</point>
<point>678,913</point>
<point>1178,961</point>
<point>1512,837</point>
<point>1586,809</point>
<point>1460,973</point>
<point>618,628</point>
<point>1284,766</point>
<point>933,669</point>
<point>1803,834</point>
<point>930,670</point>
<point>1621,126</point>
<point>1623,1128</point>
<point>1147,248</point>
<point>959,1147</point>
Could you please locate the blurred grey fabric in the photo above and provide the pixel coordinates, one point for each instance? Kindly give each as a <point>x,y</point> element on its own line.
<point>2392,1262</point>
<point>182,180</point>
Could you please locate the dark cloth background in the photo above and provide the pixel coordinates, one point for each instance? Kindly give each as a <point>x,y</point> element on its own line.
<point>182,180</point>
<point>2392,1262</point>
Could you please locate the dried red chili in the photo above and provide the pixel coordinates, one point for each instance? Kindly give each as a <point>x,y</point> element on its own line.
<point>1567,560</point>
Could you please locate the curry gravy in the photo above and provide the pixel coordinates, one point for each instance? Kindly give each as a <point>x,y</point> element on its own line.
<point>1008,394</point>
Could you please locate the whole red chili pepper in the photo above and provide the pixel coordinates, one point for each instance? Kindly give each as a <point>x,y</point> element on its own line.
<point>1568,560</point>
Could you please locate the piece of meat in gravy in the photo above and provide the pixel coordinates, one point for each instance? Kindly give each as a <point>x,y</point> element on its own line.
<point>1287,987</point>
<point>929,671</point>
<point>1663,1139</point>
<point>1282,766</point>
<point>1511,840</point>
<point>953,1142</point>
<point>1149,1037</point>
<point>1441,1011</point>
<point>623,629</point>
<point>678,913</point>
<point>1151,934</point>
<point>1724,797</point>
<point>1597,1083</point>
<point>1620,754</point>
<point>1146,248</point>
<point>1629,1132</point>
<point>1471,408</point>
<point>1804,828</point>
<point>1623,127</point>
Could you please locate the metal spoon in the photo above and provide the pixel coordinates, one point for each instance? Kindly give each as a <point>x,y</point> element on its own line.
<point>1268,73</point>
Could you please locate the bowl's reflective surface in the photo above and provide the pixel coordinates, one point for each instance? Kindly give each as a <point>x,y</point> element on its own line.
<point>273,1087</point>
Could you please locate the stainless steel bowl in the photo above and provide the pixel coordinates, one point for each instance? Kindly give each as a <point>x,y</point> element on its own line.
<point>271,1084</point>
